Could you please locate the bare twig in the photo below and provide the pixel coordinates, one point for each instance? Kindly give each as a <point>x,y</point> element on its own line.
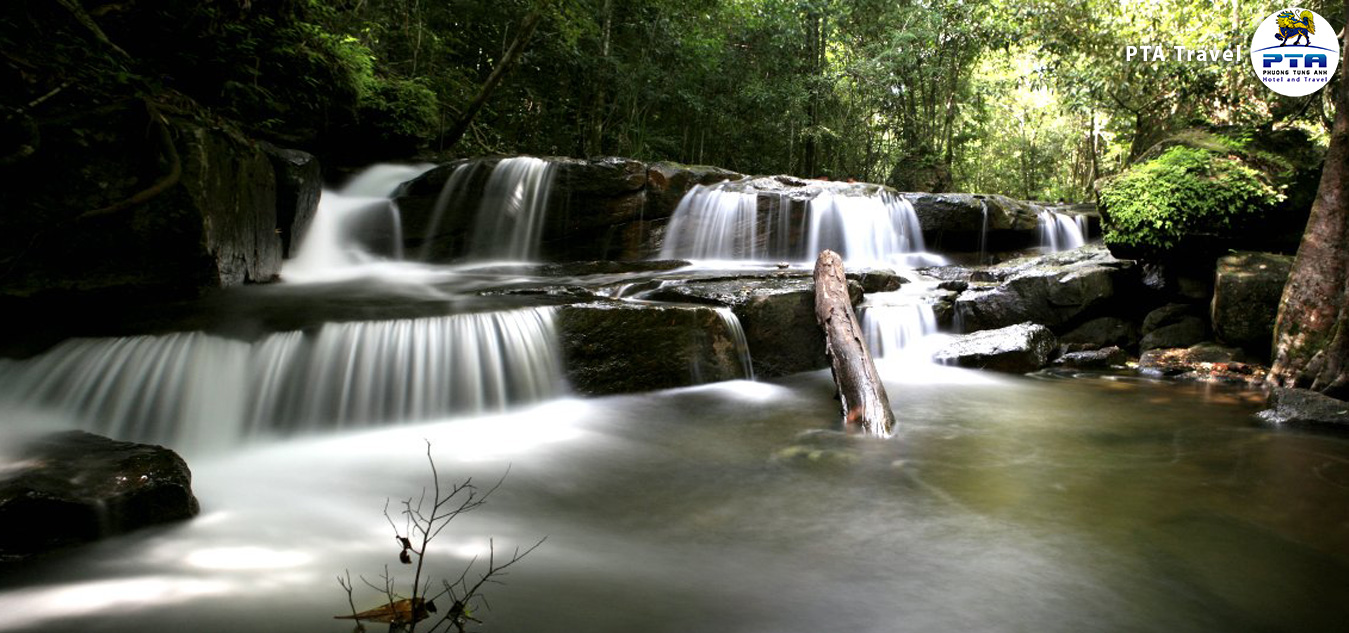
<point>425,518</point>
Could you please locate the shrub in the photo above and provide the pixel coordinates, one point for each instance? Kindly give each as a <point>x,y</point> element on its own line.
<point>1184,191</point>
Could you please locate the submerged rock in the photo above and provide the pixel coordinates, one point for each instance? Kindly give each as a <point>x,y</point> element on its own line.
<point>1203,361</point>
<point>76,487</point>
<point>621,347</point>
<point>1306,408</point>
<point>1246,292</point>
<point>1018,349</point>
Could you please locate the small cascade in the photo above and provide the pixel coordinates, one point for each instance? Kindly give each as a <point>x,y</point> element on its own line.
<point>738,221</point>
<point>983,233</point>
<point>509,223</point>
<point>202,390</point>
<point>354,225</point>
<point>876,230</point>
<point>893,323</point>
<point>1060,231</point>
<point>712,222</point>
<point>741,343</point>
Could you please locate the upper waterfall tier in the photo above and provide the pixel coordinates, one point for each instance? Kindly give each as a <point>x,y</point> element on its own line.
<point>783,219</point>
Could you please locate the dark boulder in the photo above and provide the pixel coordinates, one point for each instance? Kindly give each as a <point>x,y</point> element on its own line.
<point>159,205</point>
<point>76,487</point>
<point>1306,408</point>
<point>1103,332</point>
<point>1246,294</point>
<point>666,184</point>
<point>621,347</point>
<point>1173,325</point>
<point>1018,349</point>
<point>776,310</point>
<point>298,185</point>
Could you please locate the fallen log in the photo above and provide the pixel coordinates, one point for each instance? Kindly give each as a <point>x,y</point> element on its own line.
<point>865,406</point>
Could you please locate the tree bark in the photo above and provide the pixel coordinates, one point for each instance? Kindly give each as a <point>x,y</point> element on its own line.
<point>866,407</point>
<point>1311,333</point>
<point>504,66</point>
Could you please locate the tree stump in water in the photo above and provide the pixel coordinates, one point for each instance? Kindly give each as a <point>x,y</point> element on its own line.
<point>866,408</point>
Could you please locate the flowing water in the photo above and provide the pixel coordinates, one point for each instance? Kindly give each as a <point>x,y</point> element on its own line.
<point>1061,231</point>
<point>1040,503</point>
<point>736,222</point>
<point>1003,504</point>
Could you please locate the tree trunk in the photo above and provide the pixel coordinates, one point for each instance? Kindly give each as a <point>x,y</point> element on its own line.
<point>1311,334</point>
<point>498,73</point>
<point>866,408</point>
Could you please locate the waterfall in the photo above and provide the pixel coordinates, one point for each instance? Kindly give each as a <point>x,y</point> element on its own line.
<point>893,322</point>
<point>509,223</point>
<point>868,230</point>
<point>355,225</point>
<point>1060,231</point>
<point>738,338</point>
<point>204,390</point>
<point>735,221</point>
<point>715,223</point>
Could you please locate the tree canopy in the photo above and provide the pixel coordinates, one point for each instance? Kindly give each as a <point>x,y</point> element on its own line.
<point>1031,99</point>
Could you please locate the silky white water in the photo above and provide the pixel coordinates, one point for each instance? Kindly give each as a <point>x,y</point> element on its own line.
<point>1003,504</point>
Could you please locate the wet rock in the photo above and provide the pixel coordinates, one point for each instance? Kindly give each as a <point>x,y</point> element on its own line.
<point>1306,408</point>
<point>1103,358</point>
<point>623,347</point>
<point>298,185</point>
<point>75,487</point>
<point>776,310</point>
<point>939,212</point>
<point>606,176</point>
<point>1246,294</point>
<point>1206,361</point>
<point>1103,332</point>
<point>954,285</point>
<point>877,280</point>
<point>1020,348</point>
<point>1050,290</point>
<point>666,184</point>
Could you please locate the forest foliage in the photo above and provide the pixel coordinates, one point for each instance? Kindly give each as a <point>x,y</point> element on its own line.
<point>1030,99</point>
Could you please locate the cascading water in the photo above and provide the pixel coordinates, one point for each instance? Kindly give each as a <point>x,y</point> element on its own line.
<point>1060,231</point>
<point>735,221</point>
<point>894,323</point>
<point>715,223</point>
<point>202,390</point>
<point>738,337</point>
<point>354,225</point>
<point>510,217</point>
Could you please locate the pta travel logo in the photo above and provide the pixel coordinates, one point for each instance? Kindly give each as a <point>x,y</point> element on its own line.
<point>1295,52</point>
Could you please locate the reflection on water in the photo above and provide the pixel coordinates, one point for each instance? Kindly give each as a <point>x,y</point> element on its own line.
<point>1002,504</point>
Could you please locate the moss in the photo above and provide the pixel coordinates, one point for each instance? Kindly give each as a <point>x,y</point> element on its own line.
<point>1186,191</point>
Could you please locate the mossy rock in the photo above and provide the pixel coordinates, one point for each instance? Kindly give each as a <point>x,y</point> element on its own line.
<point>1211,190</point>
